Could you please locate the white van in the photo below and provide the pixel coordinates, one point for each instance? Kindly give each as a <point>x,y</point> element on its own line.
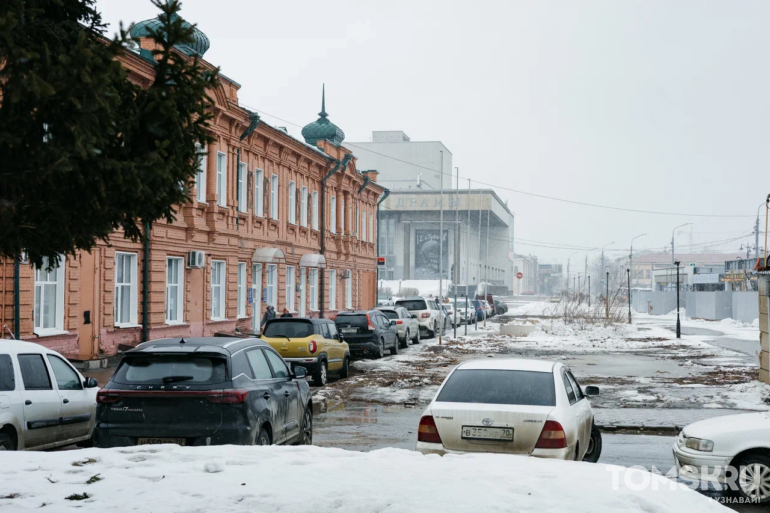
<point>44,401</point>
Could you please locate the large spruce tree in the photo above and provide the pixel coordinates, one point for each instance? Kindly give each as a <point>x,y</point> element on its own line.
<point>83,151</point>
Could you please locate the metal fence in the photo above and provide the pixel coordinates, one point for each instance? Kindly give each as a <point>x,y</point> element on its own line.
<point>742,306</point>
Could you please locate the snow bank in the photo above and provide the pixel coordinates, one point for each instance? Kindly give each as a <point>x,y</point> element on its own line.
<point>426,287</point>
<point>266,479</point>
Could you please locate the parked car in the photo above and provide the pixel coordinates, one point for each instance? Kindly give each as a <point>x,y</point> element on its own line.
<point>488,308</point>
<point>44,401</point>
<point>429,315</point>
<point>312,343</point>
<point>368,332</point>
<point>482,403</point>
<point>733,448</point>
<point>204,391</point>
<point>479,308</point>
<point>407,327</point>
<point>489,298</point>
<point>449,313</point>
<point>464,315</point>
<point>500,306</point>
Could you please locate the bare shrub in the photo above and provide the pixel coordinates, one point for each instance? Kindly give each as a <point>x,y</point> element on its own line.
<point>410,291</point>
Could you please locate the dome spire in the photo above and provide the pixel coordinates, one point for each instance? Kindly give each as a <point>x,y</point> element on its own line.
<point>322,129</point>
<point>323,113</point>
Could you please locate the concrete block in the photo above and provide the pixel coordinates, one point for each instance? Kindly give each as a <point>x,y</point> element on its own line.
<point>764,376</point>
<point>764,285</point>
<point>763,327</point>
<point>764,341</point>
<point>516,330</point>
<point>763,302</point>
<point>764,360</point>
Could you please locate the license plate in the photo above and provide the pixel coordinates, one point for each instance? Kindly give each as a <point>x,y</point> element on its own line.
<point>155,441</point>
<point>488,433</point>
<point>349,330</point>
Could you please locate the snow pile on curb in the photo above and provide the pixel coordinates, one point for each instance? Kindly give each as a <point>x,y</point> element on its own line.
<point>266,479</point>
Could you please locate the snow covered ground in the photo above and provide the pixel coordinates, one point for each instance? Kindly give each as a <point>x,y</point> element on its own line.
<point>640,365</point>
<point>426,287</point>
<point>267,479</point>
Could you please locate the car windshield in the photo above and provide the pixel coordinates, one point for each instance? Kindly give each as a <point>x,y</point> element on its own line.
<point>291,329</point>
<point>499,387</point>
<point>163,369</point>
<point>390,314</point>
<point>412,304</point>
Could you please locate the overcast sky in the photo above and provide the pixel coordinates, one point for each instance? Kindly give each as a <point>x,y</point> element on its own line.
<point>651,105</point>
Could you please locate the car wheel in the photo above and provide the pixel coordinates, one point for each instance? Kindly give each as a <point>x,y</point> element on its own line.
<point>263,438</point>
<point>407,338</point>
<point>394,349</point>
<point>380,350</point>
<point>754,478</point>
<point>594,446</point>
<point>345,372</point>
<point>417,336</point>
<point>307,427</point>
<point>6,444</point>
<point>321,376</point>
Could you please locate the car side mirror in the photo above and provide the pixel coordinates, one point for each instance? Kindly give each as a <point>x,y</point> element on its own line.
<point>393,322</point>
<point>300,372</point>
<point>592,390</point>
<point>90,383</point>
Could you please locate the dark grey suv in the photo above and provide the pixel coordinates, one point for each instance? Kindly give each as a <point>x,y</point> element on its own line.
<point>368,331</point>
<point>204,391</point>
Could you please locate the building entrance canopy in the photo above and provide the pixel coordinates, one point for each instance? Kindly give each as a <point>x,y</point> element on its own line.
<point>313,260</point>
<point>269,256</point>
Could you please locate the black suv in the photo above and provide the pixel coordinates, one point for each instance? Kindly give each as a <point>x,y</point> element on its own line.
<point>368,331</point>
<point>204,391</point>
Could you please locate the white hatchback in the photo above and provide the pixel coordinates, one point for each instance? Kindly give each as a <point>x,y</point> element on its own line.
<point>44,401</point>
<point>512,406</point>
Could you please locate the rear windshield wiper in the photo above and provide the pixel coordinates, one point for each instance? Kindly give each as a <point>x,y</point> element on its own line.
<point>280,335</point>
<point>174,379</point>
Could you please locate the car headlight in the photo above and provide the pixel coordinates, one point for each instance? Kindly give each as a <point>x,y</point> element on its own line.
<point>698,444</point>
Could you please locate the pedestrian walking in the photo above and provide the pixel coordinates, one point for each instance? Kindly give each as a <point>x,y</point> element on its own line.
<point>269,314</point>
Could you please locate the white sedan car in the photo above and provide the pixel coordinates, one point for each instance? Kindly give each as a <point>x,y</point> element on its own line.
<point>44,401</point>
<point>513,406</point>
<point>733,450</point>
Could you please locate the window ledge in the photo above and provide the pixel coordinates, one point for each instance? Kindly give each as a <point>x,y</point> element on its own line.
<point>218,320</point>
<point>242,317</point>
<point>124,326</point>
<point>50,332</point>
<point>176,323</point>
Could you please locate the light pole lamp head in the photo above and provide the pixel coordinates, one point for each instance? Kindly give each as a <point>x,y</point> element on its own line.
<point>607,270</point>
<point>677,263</point>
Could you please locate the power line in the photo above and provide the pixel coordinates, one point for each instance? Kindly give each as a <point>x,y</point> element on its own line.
<point>525,193</point>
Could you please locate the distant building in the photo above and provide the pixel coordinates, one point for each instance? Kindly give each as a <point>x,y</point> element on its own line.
<point>550,279</point>
<point>527,266</point>
<point>409,238</point>
<point>403,164</point>
<point>655,271</point>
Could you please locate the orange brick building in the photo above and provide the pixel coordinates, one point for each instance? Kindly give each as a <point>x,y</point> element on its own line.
<point>272,220</point>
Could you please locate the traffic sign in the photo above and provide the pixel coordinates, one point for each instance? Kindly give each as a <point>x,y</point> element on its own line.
<point>519,275</point>
<point>380,260</point>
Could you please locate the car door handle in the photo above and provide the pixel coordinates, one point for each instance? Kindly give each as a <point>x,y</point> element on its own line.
<point>287,394</point>
<point>266,395</point>
<point>66,401</point>
<point>27,402</point>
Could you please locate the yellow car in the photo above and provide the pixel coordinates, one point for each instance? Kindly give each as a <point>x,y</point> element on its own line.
<point>311,343</point>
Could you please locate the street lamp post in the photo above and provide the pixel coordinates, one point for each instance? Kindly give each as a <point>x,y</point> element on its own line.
<point>607,297</point>
<point>603,251</point>
<point>579,288</point>
<point>631,266</point>
<point>587,274</point>
<point>573,278</point>
<point>672,239</point>
<point>678,324</point>
<point>589,291</point>
<point>628,271</point>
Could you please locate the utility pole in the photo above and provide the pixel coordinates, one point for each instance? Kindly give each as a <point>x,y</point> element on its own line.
<point>628,271</point>
<point>678,324</point>
<point>579,288</point>
<point>588,275</point>
<point>456,252</point>
<point>567,281</point>
<point>486,267</point>
<point>631,266</point>
<point>672,239</point>
<point>607,298</point>
<point>589,291</point>
<point>441,250</point>
<point>479,271</point>
<point>467,259</point>
<point>611,243</point>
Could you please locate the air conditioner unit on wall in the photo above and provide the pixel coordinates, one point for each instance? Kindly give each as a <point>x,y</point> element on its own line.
<point>196,259</point>
<point>347,274</point>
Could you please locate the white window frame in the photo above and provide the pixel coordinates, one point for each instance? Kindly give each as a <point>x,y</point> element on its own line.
<point>175,289</point>
<point>303,207</point>
<point>371,227</point>
<point>272,285</point>
<point>242,293</point>
<point>363,226</point>
<point>291,280</point>
<point>221,179</point>
<point>256,286</point>
<point>313,289</point>
<point>242,206</point>
<point>259,196</point>
<point>349,291</point>
<point>43,282</point>
<point>332,289</point>
<point>342,217</point>
<point>220,289</point>
<point>303,291</point>
<point>274,197</point>
<point>133,287</point>
<point>333,215</point>
<point>200,176</point>
<point>292,202</point>
<point>314,215</point>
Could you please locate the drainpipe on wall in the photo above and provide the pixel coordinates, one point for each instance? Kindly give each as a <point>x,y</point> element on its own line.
<point>323,230</point>
<point>16,312</point>
<point>146,284</point>
<point>385,194</point>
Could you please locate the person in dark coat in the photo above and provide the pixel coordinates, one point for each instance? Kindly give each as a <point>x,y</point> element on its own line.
<point>286,313</point>
<point>269,314</point>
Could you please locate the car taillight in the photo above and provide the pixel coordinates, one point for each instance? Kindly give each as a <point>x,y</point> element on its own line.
<point>312,346</point>
<point>105,396</point>
<point>399,321</point>
<point>427,431</point>
<point>369,323</point>
<point>425,315</point>
<point>552,437</point>
<point>228,396</point>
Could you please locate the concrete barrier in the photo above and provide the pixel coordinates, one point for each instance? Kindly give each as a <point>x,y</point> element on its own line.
<point>517,330</point>
<point>742,306</point>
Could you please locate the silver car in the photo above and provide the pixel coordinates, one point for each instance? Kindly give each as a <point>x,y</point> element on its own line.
<point>511,406</point>
<point>407,326</point>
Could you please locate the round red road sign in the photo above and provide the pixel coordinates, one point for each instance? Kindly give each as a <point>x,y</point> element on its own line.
<point>519,275</point>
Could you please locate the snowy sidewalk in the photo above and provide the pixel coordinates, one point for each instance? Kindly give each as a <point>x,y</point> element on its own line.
<point>655,418</point>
